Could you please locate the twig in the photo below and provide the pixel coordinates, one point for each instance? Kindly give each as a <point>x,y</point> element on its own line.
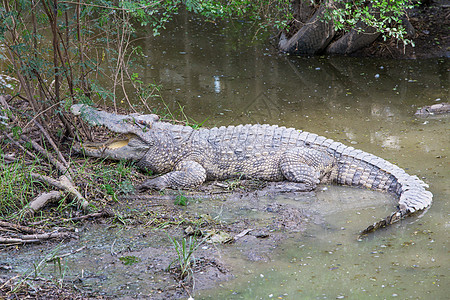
<point>50,140</point>
<point>50,157</point>
<point>101,214</point>
<point>66,254</point>
<point>18,145</point>
<point>34,238</point>
<point>20,228</point>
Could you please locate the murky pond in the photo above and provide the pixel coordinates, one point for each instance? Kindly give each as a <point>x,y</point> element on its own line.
<point>224,74</point>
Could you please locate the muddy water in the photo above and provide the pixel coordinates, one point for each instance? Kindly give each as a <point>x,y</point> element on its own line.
<point>224,74</point>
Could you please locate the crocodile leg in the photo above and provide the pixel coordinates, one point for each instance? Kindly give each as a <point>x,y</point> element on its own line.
<point>187,174</point>
<point>306,165</point>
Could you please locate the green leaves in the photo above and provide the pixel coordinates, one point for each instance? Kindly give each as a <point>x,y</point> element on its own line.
<point>383,15</point>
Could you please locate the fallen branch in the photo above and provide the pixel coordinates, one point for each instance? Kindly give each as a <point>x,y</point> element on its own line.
<point>63,184</point>
<point>66,169</point>
<point>19,228</point>
<point>39,202</point>
<point>34,238</point>
<point>50,157</point>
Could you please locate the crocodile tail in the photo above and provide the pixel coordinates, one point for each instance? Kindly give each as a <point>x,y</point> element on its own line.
<point>359,168</point>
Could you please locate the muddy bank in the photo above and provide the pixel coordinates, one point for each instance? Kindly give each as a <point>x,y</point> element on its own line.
<point>131,255</point>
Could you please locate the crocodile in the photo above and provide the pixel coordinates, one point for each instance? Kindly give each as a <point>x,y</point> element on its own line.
<point>188,157</point>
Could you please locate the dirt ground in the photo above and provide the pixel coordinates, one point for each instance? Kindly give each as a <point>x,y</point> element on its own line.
<point>256,241</point>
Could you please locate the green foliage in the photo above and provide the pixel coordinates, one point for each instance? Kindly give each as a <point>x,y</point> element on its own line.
<point>15,187</point>
<point>185,254</point>
<point>181,199</point>
<point>129,260</point>
<point>266,13</point>
<point>57,56</point>
<point>383,15</point>
<point>114,179</point>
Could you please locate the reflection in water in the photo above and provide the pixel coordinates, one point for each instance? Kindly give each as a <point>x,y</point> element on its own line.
<point>217,84</point>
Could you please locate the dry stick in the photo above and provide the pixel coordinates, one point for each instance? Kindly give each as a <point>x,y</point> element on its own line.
<point>48,180</point>
<point>50,157</point>
<point>66,254</point>
<point>18,227</point>
<point>37,115</point>
<point>34,238</point>
<point>45,236</point>
<point>50,140</point>
<point>19,145</point>
<point>64,184</point>
<point>39,202</point>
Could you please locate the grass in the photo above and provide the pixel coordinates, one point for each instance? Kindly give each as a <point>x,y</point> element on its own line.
<point>37,270</point>
<point>185,255</point>
<point>181,199</point>
<point>99,179</point>
<point>16,188</point>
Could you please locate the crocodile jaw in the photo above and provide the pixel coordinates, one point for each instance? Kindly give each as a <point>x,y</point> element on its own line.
<point>131,147</point>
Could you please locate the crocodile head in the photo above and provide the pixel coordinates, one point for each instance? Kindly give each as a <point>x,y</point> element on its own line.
<point>135,133</point>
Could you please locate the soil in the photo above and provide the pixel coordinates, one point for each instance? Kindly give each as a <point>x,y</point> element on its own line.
<point>431,39</point>
<point>255,239</point>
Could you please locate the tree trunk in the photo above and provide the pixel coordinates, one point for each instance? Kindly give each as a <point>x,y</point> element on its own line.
<point>312,38</point>
<point>353,40</point>
<point>315,35</point>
